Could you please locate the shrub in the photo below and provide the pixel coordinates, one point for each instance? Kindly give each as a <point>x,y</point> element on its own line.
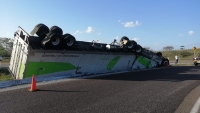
<point>185,53</point>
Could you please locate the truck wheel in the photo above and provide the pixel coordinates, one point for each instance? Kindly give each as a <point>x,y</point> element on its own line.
<point>159,54</point>
<point>131,44</point>
<point>52,41</point>
<point>165,62</point>
<point>56,29</point>
<point>124,38</point>
<point>195,64</point>
<point>138,49</point>
<point>42,30</point>
<point>69,40</point>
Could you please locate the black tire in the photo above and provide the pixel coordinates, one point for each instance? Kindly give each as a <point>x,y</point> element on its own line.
<point>138,49</point>
<point>69,41</point>
<point>124,38</point>
<point>56,29</point>
<point>165,62</point>
<point>53,41</point>
<point>42,30</point>
<point>131,44</point>
<point>195,64</point>
<point>159,54</point>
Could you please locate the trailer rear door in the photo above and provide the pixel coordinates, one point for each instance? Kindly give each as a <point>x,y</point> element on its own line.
<point>18,56</point>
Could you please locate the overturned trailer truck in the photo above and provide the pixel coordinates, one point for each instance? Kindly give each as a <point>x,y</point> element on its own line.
<point>52,53</point>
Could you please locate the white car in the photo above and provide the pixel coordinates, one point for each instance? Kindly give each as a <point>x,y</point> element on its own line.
<point>1,58</point>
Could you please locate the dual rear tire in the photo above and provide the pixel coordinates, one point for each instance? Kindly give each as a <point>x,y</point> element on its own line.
<point>69,41</point>
<point>131,45</point>
<point>42,30</point>
<point>53,38</point>
<point>58,42</point>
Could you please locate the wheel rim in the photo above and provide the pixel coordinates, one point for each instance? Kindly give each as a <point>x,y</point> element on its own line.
<point>165,63</point>
<point>56,41</point>
<point>70,42</point>
<point>138,50</point>
<point>130,45</point>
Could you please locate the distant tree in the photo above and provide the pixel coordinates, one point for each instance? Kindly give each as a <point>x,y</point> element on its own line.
<point>1,47</point>
<point>168,48</point>
<point>6,43</point>
<point>6,46</point>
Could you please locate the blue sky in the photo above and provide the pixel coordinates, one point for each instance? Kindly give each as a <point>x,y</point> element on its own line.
<point>152,23</point>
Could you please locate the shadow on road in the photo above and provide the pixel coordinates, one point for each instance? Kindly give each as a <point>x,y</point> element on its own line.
<point>174,74</point>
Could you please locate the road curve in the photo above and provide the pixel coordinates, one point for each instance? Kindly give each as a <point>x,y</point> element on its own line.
<point>150,91</point>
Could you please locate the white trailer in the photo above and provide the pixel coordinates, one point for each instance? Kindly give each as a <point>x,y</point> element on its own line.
<point>26,61</point>
<point>39,56</point>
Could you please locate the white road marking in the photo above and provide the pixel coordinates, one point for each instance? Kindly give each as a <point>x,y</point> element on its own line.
<point>195,108</point>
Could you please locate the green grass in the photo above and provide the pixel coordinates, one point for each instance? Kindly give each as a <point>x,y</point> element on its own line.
<point>5,74</point>
<point>188,54</point>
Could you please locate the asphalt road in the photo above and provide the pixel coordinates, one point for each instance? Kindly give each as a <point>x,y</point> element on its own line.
<point>4,64</point>
<point>150,91</point>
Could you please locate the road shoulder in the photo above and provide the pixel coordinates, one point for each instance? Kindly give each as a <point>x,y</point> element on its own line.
<point>189,101</point>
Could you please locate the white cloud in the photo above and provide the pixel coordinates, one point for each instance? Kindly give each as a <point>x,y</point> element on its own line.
<point>119,20</point>
<point>132,24</point>
<point>116,37</point>
<point>78,32</point>
<point>129,24</point>
<point>136,39</point>
<point>137,23</point>
<point>191,32</point>
<point>89,30</point>
<point>99,33</point>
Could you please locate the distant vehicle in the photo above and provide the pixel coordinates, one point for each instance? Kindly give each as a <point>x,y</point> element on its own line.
<point>196,60</point>
<point>1,58</point>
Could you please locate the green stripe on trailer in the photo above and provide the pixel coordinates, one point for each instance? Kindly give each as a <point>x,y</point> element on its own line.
<point>144,61</point>
<point>113,62</point>
<point>40,68</point>
<point>22,66</point>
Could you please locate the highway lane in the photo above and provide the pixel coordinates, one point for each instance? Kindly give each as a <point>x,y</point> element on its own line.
<point>4,64</point>
<point>150,91</point>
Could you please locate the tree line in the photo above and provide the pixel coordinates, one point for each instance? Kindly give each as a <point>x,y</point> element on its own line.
<point>6,45</point>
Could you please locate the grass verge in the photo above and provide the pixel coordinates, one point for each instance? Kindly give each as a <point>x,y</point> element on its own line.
<point>183,64</point>
<point>5,74</point>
